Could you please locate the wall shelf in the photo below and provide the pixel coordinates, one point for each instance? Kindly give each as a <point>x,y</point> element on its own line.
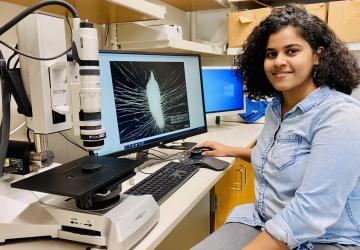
<point>196,5</point>
<point>106,11</point>
<point>233,51</point>
<point>353,46</point>
<point>245,4</point>
<point>174,45</point>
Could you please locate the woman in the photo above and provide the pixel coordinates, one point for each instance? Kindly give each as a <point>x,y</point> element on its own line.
<point>307,158</point>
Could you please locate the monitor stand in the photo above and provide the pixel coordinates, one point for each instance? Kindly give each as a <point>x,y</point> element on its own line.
<point>142,155</point>
<point>179,146</point>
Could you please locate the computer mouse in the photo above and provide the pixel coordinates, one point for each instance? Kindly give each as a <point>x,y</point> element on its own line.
<point>196,153</point>
<point>203,149</point>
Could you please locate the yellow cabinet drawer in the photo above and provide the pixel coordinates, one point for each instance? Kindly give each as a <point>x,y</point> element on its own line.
<point>235,187</point>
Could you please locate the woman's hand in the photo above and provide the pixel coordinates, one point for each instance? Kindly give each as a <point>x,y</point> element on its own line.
<point>218,148</point>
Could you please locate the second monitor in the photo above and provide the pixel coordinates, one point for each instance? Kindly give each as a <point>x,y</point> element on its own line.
<point>223,92</point>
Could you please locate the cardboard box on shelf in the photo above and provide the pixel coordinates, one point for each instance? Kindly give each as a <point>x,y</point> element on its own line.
<point>241,24</point>
<point>318,9</point>
<point>344,20</point>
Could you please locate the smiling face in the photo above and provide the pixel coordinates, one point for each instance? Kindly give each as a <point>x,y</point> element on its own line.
<point>289,62</point>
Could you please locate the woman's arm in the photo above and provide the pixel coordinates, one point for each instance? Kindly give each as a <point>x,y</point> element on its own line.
<point>220,149</point>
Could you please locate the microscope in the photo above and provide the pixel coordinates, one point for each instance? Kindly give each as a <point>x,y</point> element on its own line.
<point>80,200</point>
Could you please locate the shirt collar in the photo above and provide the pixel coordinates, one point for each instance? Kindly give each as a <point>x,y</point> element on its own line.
<point>312,100</point>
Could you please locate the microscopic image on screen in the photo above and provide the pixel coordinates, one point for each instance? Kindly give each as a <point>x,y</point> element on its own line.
<point>150,98</point>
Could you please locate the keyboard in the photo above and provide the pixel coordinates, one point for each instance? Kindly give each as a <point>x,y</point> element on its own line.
<point>164,182</point>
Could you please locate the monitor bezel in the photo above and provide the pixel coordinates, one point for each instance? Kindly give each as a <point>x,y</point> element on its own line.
<point>174,137</point>
<point>224,112</point>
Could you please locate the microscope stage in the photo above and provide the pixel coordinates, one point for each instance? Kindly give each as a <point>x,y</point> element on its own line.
<point>80,177</point>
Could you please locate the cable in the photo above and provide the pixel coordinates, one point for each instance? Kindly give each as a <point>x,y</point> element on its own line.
<point>11,57</point>
<point>151,162</point>
<point>5,123</point>
<point>16,63</point>
<point>28,135</point>
<point>68,22</point>
<point>75,144</point>
<point>17,129</point>
<point>158,157</point>
<point>31,9</point>
<point>184,157</point>
<point>28,11</point>
<point>159,151</point>
<point>40,200</point>
<point>141,171</point>
<point>34,57</point>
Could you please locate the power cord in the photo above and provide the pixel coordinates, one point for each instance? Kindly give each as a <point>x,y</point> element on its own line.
<point>72,142</point>
<point>178,156</point>
<point>28,135</point>
<point>159,151</point>
<point>11,57</point>
<point>5,122</point>
<point>28,11</point>
<point>34,57</point>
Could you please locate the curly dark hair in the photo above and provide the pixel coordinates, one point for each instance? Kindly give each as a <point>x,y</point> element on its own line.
<point>337,69</point>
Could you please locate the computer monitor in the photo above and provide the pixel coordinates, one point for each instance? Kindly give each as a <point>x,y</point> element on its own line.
<point>223,91</point>
<point>149,99</point>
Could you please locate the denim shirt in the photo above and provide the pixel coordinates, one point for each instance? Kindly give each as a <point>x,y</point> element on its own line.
<point>307,172</point>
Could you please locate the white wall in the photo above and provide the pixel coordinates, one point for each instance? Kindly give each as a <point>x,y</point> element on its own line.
<point>211,28</point>
<point>356,94</point>
<point>177,17</point>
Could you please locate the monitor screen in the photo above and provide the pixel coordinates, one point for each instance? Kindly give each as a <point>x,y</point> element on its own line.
<point>223,90</point>
<point>149,99</point>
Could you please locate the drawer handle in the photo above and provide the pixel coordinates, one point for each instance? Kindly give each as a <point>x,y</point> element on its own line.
<point>241,174</point>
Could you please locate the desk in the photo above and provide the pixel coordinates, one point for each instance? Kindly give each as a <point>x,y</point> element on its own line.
<point>179,204</point>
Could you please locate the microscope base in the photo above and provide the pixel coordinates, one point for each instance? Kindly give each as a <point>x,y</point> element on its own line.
<point>116,228</point>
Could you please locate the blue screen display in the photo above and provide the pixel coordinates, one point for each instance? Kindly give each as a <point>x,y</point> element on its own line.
<point>223,90</point>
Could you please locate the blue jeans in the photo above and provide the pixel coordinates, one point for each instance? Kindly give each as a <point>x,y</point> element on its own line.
<point>234,236</point>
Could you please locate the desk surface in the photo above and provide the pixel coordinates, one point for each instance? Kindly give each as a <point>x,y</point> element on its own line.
<point>188,195</point>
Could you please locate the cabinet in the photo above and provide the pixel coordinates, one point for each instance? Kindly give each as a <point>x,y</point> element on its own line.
<point>196,5</point>
<point>242,23</point>
<point>235,187</point>
<point>106,11</point>
<point>329,11</point>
